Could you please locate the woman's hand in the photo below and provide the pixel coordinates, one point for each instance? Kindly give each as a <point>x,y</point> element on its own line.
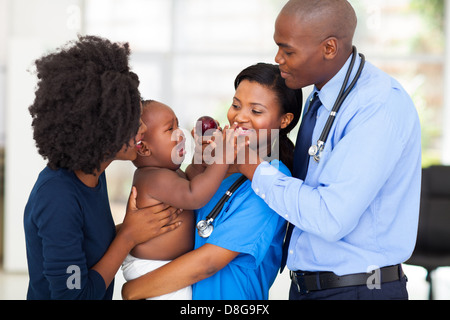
<point>141,225</point>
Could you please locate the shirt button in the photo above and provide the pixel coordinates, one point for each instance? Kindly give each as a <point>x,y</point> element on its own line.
<point>257,190</point>
<point>286,216</point>
<point>263,196</point>
<point>291,252</point>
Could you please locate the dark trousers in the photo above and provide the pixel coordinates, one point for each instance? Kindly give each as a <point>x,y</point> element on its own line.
<point>389,291</point>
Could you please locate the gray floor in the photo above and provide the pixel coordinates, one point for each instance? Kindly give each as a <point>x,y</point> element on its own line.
<point>13,286</point>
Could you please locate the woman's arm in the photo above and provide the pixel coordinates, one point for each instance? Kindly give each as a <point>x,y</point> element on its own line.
<point>139,225</point>
<point>180,273</point>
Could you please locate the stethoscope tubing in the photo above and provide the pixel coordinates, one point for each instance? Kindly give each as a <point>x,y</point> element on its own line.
<point>207,222</point>
<point>343,94</point>
<point>218,207</point>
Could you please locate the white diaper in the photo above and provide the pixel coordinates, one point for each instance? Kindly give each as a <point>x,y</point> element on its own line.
<point>133,268</point>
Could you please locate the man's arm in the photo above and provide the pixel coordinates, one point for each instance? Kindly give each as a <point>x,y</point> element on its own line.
<point>354,173</point>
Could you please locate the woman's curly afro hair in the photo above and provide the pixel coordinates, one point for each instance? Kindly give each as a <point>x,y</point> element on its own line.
<point>87,104</point>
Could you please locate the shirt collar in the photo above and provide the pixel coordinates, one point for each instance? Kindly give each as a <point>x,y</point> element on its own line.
<point>330,91</point>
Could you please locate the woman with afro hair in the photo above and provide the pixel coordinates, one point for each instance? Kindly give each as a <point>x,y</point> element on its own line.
<point>86,114</point>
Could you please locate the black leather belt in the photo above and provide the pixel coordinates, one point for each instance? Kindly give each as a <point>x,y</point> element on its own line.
<point>315,281</point>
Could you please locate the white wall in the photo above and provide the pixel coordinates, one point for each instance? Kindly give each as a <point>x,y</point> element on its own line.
<point>181,71</point>
<point>3,36</point>
<point>38,26</point>
<point>30,34</point>
<point>446,112</point>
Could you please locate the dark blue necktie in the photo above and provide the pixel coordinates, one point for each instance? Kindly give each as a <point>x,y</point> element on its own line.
<point>304,139</point>
<point>301,159</point>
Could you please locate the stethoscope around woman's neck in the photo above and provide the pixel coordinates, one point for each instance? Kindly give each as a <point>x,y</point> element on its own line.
<point>316,150</point>
<point>205,227</point>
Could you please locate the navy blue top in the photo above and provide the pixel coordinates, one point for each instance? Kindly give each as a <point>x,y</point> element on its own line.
<point>68,228</point>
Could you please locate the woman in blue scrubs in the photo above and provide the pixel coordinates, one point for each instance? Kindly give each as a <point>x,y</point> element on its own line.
<point>241,258</point>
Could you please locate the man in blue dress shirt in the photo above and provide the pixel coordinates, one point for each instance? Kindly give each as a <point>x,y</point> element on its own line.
<point>356,211</point>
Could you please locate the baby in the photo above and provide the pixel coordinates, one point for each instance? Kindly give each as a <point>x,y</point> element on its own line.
<point>158,179</point>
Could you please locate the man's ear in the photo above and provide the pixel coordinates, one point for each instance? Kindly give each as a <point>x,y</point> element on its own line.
<point>330,48</point>
<point>144,151</point>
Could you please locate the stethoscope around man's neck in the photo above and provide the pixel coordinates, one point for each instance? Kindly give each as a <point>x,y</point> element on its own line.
<point>316,150</point>
<point>205,227</point>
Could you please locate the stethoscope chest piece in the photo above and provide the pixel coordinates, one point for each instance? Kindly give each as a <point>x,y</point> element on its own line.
<point>204,228</point>
<point>313,150</point>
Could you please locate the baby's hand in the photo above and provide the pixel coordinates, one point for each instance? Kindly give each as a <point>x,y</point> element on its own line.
<point>201,143</point>
<point>226,144</point>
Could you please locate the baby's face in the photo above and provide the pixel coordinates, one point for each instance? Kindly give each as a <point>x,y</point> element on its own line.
<point>163,138</point>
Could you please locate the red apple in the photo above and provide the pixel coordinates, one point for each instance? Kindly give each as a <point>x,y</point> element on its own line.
<point>208,123</point>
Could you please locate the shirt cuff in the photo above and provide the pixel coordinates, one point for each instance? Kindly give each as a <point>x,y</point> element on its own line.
<point>264,177</point>
<point>98,286</point>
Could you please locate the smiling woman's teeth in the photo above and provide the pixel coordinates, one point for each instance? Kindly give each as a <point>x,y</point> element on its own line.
<point>243,132</point>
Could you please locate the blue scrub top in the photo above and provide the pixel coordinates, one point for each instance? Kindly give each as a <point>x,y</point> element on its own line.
<point>246,225</point>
